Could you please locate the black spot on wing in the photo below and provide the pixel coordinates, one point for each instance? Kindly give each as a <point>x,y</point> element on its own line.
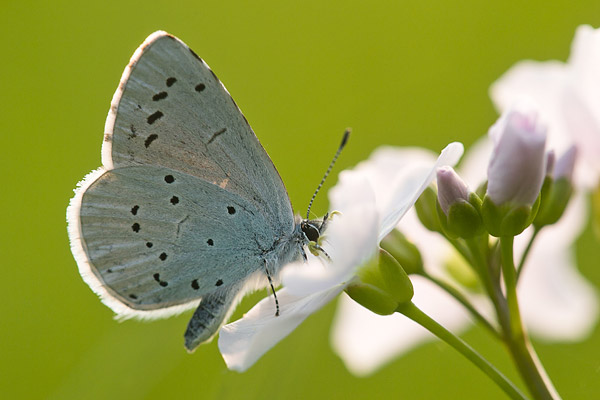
<point>174,200</point>
<point>154,117</point>
<point>163,256</point>
<point>200,87</point>
<point>159,96</point>
<point>219,282</point>
<point>210,242</point>
<point>169,179</point>
<point>149,244</point>
<point>171,81</point>
<point>195,285</point>
<point>162,283</point>
<point>150,139</point>
<point>134,209</point>
<point>231,210</point>
<point>135,227</point>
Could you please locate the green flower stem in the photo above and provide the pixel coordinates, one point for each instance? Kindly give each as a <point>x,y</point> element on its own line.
<point>482,270</point>
<point>411,311</point>
<point>536,230</point>
<point>524,356</point>
<point>464,301</point>
<point>510,281</point>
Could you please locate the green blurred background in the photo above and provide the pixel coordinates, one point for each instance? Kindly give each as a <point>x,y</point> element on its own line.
<point>402,73</point>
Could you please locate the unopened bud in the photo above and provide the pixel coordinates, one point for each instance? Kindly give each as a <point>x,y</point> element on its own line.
<point>426,210</point>
<point>381,285</point>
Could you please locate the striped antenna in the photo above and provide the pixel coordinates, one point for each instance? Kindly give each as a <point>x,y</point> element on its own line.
<point>337,153</point>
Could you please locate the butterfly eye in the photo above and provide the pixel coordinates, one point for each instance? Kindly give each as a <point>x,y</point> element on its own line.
<point>312,232</point>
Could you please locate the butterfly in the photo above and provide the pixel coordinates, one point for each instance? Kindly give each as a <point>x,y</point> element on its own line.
<point>187,210</point>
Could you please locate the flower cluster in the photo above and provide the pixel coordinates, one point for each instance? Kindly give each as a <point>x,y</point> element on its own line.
<point>490,243</point>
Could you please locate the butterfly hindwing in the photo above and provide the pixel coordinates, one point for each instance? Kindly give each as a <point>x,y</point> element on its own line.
<point>157,238</point>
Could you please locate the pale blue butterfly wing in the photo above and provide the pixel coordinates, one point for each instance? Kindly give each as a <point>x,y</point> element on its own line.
<point>188,205</point>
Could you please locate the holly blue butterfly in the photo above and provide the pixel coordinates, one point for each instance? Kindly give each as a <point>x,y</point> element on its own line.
<point>187,209</point>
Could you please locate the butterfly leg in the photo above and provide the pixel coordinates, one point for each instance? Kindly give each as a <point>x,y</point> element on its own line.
<point>304,257</point>
<point>272,289</point>
<point>208,317</point>
<point>315,248</point>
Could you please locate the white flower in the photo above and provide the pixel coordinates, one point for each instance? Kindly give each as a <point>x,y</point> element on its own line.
<point>518,163</point>
<point>367,216</point>
<point>557,303</point>
<point>568,95</point>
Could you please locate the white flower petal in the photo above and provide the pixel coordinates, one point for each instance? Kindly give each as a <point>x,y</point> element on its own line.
<point>365,341</point>
<point>397,177</point>
<point>435,250</point>
<point>352,242</point>
<point>584,128</point>
<point>584,64</point>
<point>473,165</point>
<point>353,189</point>
<point>408,187</point>
<point>557,303</point>
<point>244,341</point>
<point>568,96</point>
<point>543,83</point>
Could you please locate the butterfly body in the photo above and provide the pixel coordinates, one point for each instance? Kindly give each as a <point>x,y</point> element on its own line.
<point>188,210</point>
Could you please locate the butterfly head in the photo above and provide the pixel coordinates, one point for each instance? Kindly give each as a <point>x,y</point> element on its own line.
<point>311,229</point>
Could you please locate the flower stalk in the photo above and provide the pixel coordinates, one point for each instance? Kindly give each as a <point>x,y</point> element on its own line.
<point>414,313</point>
<point>526,360</point>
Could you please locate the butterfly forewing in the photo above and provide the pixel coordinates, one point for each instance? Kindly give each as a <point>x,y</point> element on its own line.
<point>171,110</point>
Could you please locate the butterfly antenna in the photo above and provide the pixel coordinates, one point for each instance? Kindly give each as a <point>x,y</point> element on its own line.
<point>337,153</point>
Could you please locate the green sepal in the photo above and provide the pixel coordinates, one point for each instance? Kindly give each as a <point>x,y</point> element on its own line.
<point>507,219</point>
<point>396,280</point>
<point>404,251</point>
<point>426,210</point>
<point>381,285</point>
<point>372,298</point>
<point>554,199</point>
<point>463,219</point>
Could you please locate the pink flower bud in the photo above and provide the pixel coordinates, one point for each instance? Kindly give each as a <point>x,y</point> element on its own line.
<point>451,188</point>
<point>566,164</point>
<point>550,161</point>
<point>518,164</point>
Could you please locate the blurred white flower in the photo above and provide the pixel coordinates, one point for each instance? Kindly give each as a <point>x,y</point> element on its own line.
<point>518,162</point>
<point>557,303</point>
<point>568,95</point>
<point>352,239</point>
